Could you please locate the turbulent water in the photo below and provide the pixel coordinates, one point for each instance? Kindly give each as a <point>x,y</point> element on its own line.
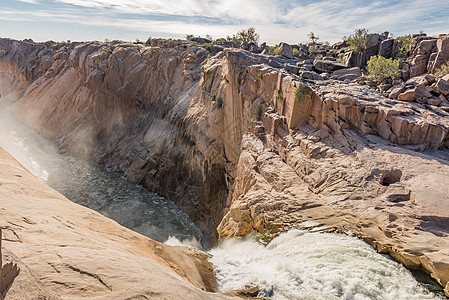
<point>93,186</point>
<point>295,265</point>
<point>306,265</point>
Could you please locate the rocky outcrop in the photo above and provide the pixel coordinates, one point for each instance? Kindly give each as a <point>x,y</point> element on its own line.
<point>240,141</point>
<point>67,251</point>
<point>429,54</point>
<point>424,89</point>
<point>285,50</point>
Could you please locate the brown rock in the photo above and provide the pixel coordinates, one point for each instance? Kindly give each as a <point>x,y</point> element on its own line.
<point>429,78</point>
<point>421,56</point>
<point>442,86</point>
<point>434,101</point>
<point>386,48</point>
<point>328,65</point>
<point>408,95</point>
<point>421,94</point>
<point>395,91</point>
<point>285,50</point>
<point>442,54</point>
<point>350,73</point>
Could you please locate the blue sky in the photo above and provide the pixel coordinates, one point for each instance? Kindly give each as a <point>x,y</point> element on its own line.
<point>288,21</point>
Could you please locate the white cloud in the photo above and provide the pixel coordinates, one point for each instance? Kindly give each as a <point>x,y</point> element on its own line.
<point>29,1</point>
<point>275,20</point>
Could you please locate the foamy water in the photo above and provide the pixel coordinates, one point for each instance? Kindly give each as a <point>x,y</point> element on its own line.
<point>305,265</point>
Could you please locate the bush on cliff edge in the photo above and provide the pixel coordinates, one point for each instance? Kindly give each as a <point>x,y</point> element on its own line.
<point>380,68</point>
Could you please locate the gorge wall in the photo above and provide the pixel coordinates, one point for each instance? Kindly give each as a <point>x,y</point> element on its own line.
<point>241,143</point>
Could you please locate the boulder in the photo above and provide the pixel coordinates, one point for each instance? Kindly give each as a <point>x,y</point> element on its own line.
<point>395,91</point>
<point>421,57</point>
<point>226,44</point>
<point>200,40</point>
<point>384,87</point>
<point>351,73</point>
<point>373,46</point>
<point>328,65</point>
<point>351,59</point>
<point>310,75</point>
<point>251,47</point>
<point>408,95</point>
<point>285,50</point>
<point>386,48</point>
<point>429,78</point>
<point>434,101</point>
<point>339,45</point>
<point>442,86</point>
<point>421,95</point>
<point>291,68</point>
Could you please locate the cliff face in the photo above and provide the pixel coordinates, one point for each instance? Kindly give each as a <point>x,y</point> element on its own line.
<point>240,143</point>
<point>125,106</point>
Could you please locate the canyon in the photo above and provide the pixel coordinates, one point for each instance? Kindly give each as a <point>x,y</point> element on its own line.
<point>239,141</point>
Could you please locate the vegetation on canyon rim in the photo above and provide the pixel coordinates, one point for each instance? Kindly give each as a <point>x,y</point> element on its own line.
<point>380,69</point>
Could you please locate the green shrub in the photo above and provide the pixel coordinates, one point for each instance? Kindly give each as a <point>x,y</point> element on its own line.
<point>273,50</point>
<point>296,52</point>
<point>209,47</point>
<point>313,38</point>
<point>312,48</point>
<point>279,97</point>
<point>381,68</point>
<point>404,51</point>
<point>257,112</point>
<point>218,102</point>
<point>259,75</point>
<point>357,41</point>
<point>302,91</point>
<point>246,36</point>
<point>341,57</point>
<point>443,70</point>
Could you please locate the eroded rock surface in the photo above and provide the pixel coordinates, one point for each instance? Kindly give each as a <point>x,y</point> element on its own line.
<point>66,251</point>
<point>245,142</point>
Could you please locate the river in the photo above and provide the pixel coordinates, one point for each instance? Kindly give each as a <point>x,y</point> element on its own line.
<point>295,265</point>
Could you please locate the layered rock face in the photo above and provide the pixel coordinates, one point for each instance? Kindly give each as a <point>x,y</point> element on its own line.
<point>240,142</point>
<point>123,105</point>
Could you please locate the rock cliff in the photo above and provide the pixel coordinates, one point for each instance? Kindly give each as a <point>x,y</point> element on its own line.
<point>241,142</point>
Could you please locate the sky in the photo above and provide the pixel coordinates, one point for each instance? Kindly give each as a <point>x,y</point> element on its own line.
<point>276,21</point>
